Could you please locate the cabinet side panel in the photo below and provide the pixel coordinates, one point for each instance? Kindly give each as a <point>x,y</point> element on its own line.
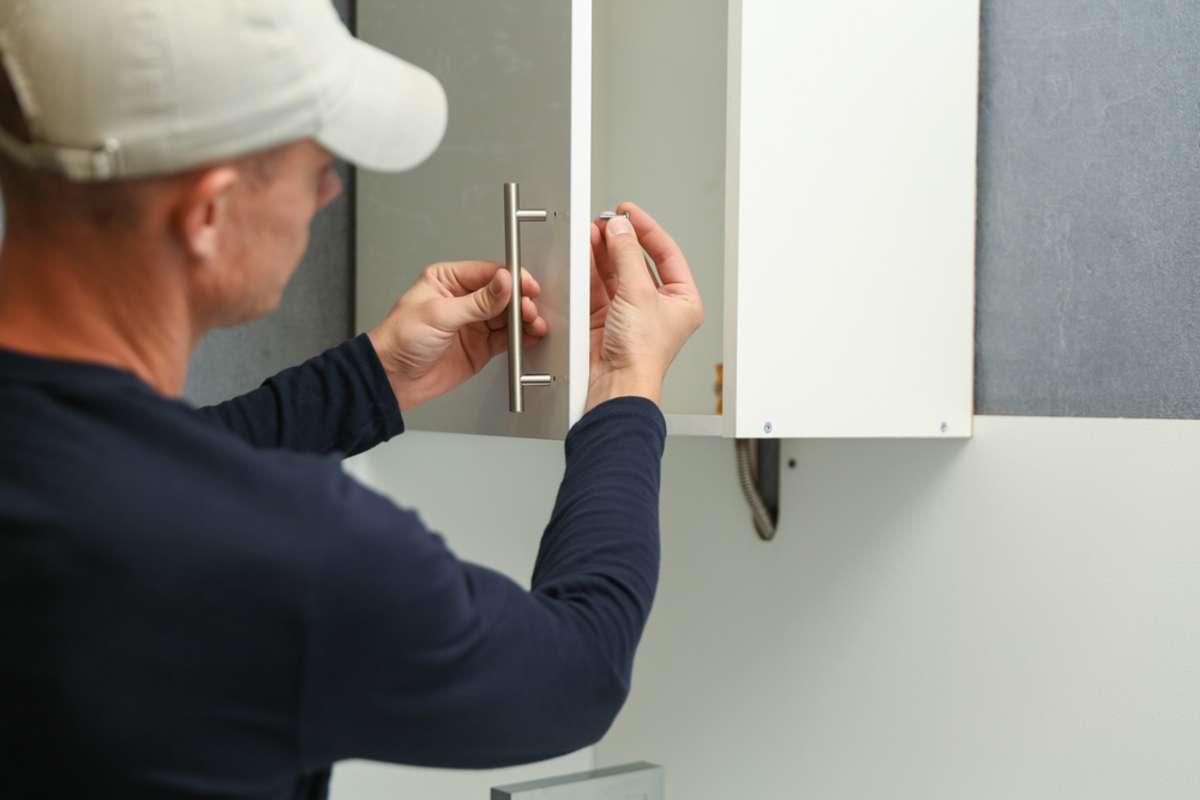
<point>660,140</point>
<point>733,200</point>
<point>506,68</point>
<point>855,257</point>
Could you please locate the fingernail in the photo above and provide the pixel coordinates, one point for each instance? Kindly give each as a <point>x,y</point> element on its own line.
<point>494,287</point>
<point>619,226</point>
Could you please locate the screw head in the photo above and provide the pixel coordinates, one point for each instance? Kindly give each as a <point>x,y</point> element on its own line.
<point>945,427</point>
<point>768,427</point>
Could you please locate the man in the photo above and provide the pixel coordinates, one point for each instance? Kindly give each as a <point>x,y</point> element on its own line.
<point>200,602</point>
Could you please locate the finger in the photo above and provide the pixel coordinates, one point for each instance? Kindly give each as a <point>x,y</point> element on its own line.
<point>599,294</point>
<point>463,277</point>
<point>538,328</point>
<point>600,248</point>
<point>529,314</point>
<point>529,285</point>
<point>625,255</point>
<point>498,342</point>
<point>672,265</point>
<point>604,272</point>
<point>529,310</point>
<point>481,305</point>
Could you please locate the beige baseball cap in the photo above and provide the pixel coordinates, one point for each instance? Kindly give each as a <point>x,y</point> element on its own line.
<point>127,88</point>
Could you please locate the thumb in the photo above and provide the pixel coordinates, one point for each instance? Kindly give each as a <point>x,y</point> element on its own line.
<point>487,302</point>
<point>626,254</point>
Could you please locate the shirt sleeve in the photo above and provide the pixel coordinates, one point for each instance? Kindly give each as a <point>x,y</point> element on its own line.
<point>338,402</point>
<point>416,657</point>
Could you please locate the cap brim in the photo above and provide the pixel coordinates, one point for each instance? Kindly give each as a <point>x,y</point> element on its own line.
<point>392,116</point>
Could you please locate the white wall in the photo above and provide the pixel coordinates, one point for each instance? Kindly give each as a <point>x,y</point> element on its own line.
<point>1014,616</point>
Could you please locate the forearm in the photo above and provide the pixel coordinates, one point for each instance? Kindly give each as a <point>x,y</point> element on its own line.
<point>600,551</point>
<point>422,659</point>
<point>339,401</point>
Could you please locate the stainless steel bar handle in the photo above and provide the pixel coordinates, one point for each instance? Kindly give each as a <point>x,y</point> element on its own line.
<point>514,215</point>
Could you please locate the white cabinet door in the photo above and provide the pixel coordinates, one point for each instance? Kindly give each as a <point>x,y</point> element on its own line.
<point>518,78</point>
<point>851,247</point>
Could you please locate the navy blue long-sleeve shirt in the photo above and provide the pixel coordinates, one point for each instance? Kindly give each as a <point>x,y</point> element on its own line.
<point>201,603</point>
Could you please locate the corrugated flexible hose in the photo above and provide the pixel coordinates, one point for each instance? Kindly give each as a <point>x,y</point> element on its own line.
<point>747,475</point>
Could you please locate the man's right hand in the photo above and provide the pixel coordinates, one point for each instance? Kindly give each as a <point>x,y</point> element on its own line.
<point>637,328</point>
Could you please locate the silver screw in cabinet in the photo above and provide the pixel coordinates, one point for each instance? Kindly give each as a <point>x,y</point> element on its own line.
<point>767,428</point>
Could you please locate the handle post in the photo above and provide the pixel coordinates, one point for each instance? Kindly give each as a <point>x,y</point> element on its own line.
<point>514,215</point>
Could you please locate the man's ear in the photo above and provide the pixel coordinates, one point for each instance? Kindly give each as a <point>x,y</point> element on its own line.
<point>203,211</point>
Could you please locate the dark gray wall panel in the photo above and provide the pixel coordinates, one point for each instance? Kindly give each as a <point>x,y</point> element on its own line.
<point>316,313</point>
<point>1089,234</point>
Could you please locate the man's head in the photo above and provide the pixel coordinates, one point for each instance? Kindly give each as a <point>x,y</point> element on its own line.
<point>209,128</point>
<point>234,230</point>
<point>241,227</point>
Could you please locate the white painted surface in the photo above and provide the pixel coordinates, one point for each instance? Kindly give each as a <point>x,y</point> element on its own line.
<point>1013,616</point>
<point>465,489</point>
<point>855,217</point>
<point>579,340</point>
<point>1009,617</point>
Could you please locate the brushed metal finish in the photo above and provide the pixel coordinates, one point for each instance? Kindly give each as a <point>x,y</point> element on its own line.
<point>518,111</point>
<point>514,215</point>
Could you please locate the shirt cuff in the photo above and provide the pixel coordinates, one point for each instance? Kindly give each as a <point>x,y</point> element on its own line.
<point>633,412</point>
<point>383,399</point>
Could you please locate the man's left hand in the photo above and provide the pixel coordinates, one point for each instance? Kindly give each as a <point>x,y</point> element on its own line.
<point>449,325</point>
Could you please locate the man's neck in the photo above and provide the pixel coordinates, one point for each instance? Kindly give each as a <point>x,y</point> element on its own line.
<point>78,301</point>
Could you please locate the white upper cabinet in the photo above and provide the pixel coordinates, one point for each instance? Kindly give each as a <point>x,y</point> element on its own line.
<point>815,159</point>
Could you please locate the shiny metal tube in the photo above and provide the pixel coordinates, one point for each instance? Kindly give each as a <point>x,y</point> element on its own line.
<point>512,258</point>
<point>514,215</point>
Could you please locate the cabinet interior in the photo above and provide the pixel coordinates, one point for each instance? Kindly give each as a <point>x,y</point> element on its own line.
<point>659,139</point>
